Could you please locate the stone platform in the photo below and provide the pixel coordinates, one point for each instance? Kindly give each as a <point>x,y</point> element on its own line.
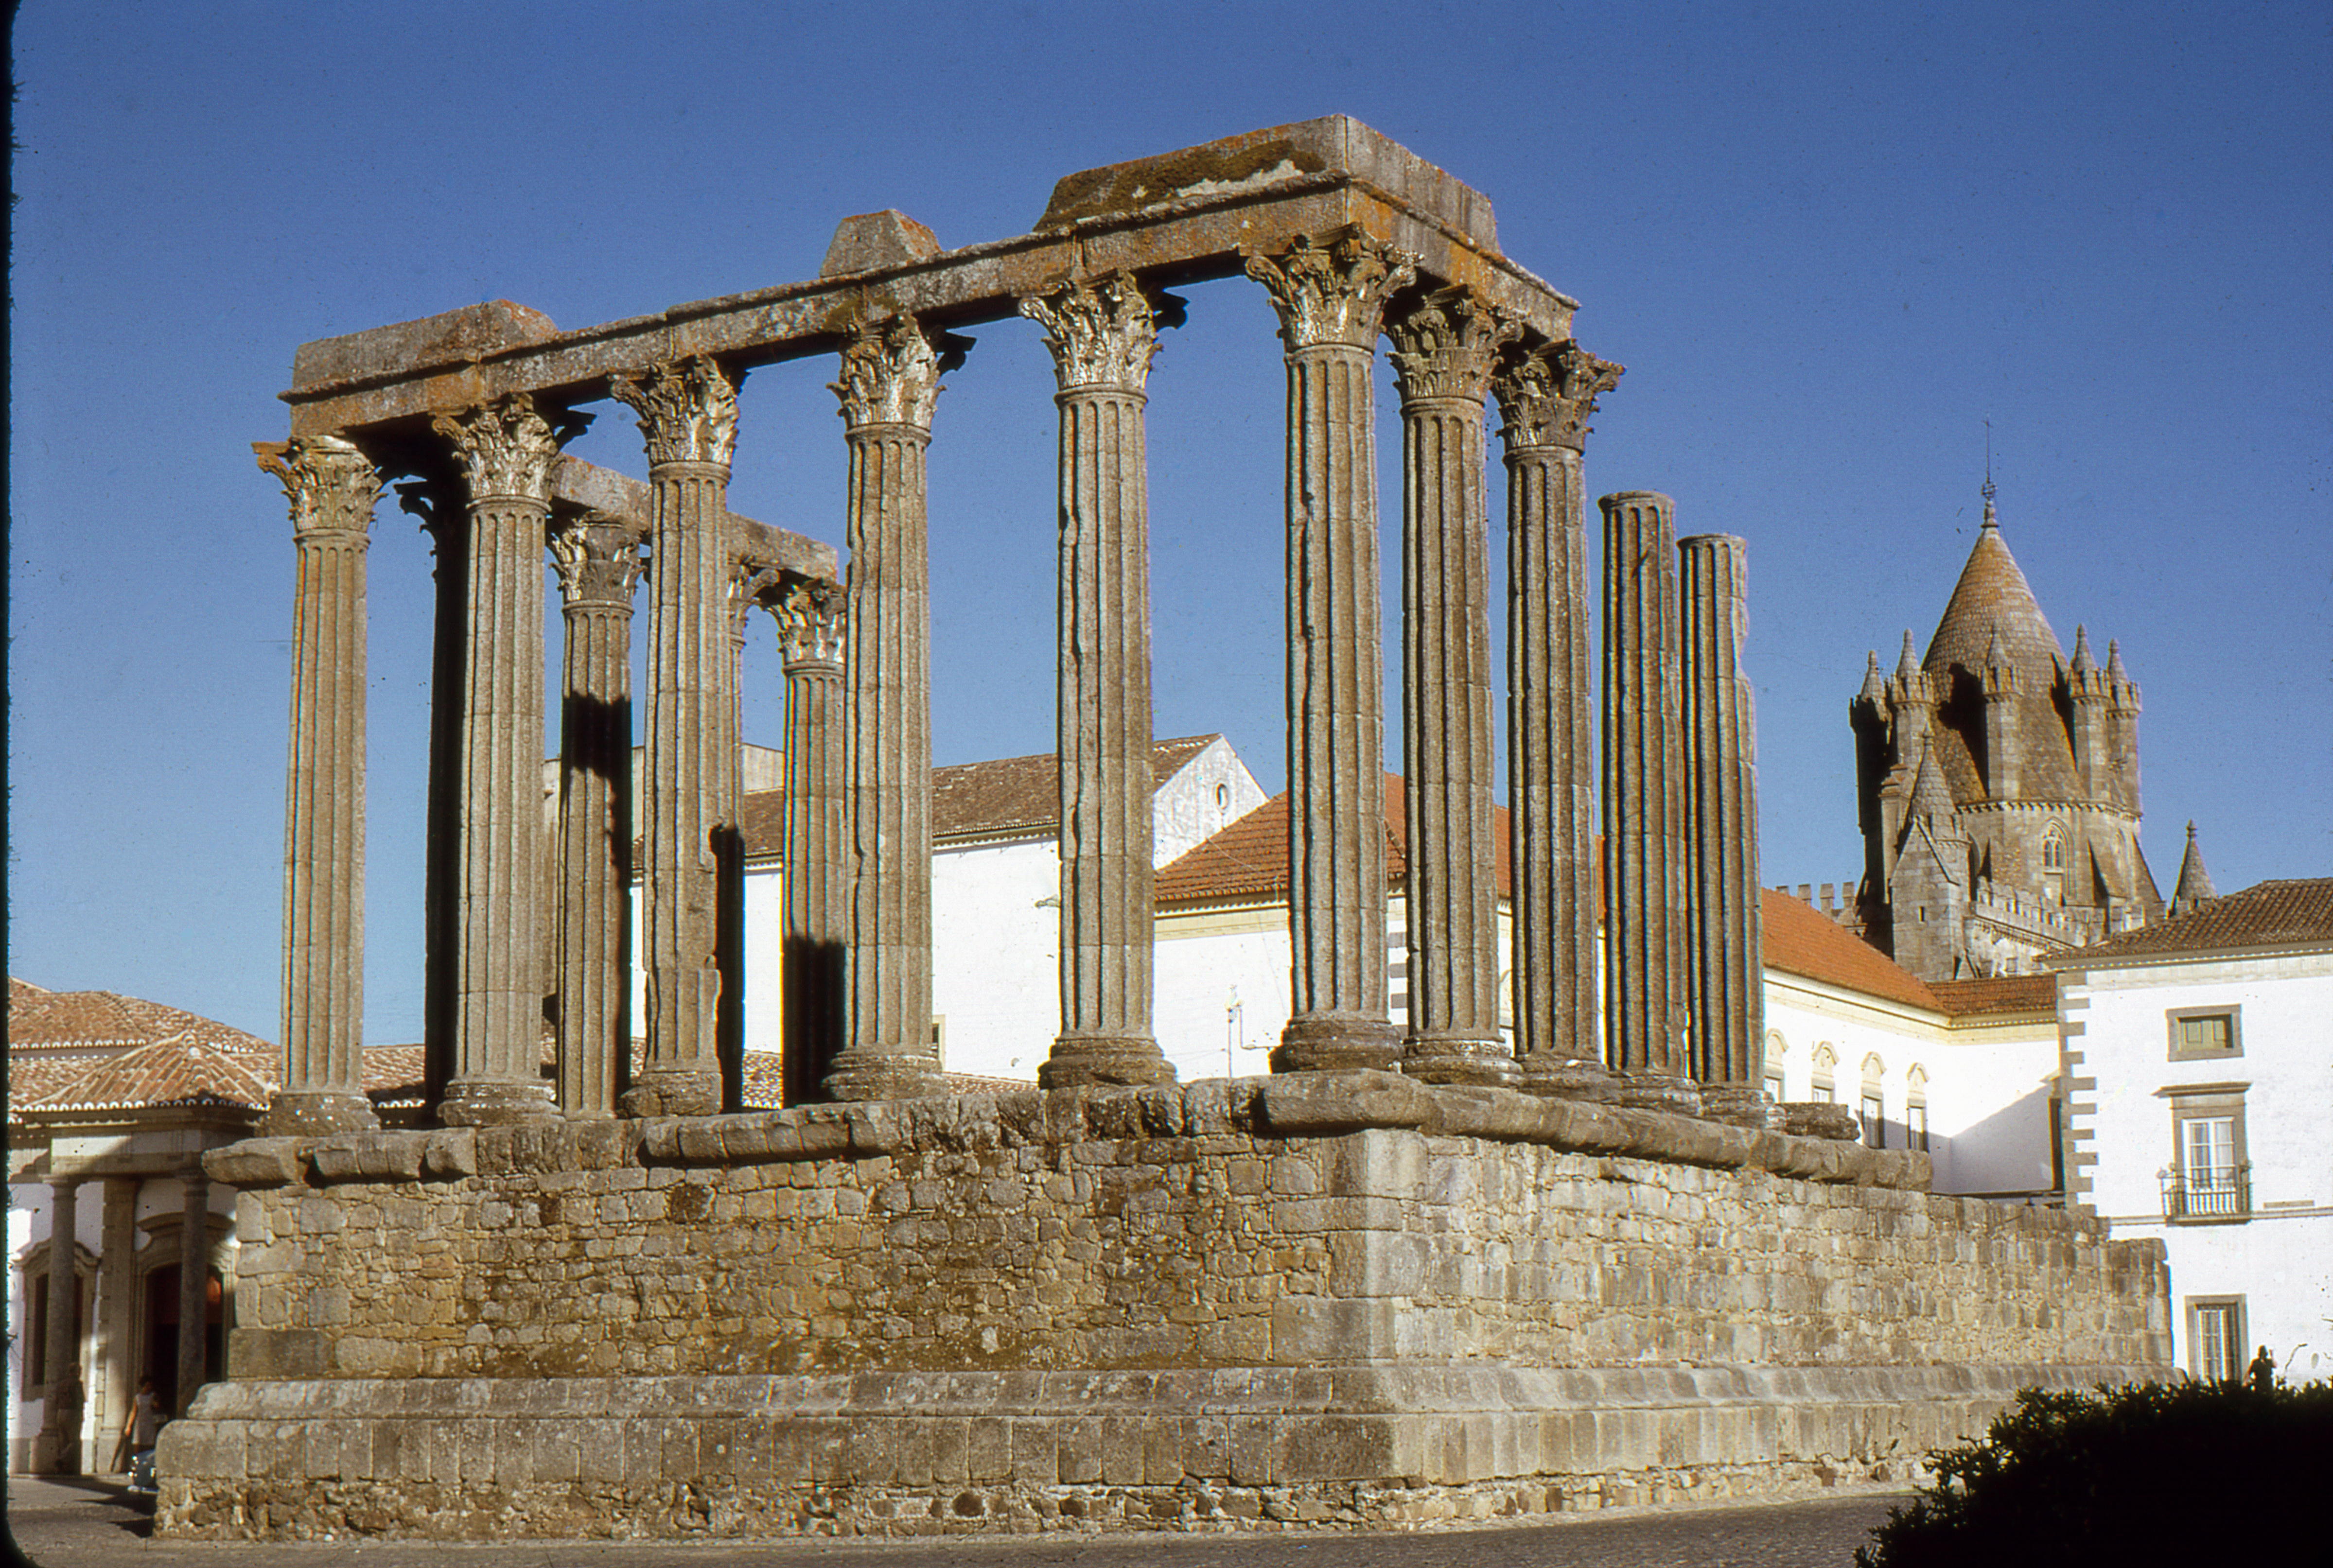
<point>1325,1299</point>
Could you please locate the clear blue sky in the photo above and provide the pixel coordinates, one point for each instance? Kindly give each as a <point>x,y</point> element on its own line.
<point>1829,242</point>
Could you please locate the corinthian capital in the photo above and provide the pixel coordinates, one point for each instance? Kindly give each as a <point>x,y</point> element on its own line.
<point>1447,346</point>
<point>1102,334</point>
<point>809,617</point>
<point>749,585</point>
<point>598,561</point>
<point>506,448</point>
<point>687,409</point>
<point>1547,396</point>
<point>331,485</point>
<point>890,374</point>
<point>1333,293</point>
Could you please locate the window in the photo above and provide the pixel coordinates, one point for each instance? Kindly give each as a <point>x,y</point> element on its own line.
<point>2198,1033</point>
<point>2215,1337</point>
<point>1916,1118</point>
<point>1916,1108</point>
<point>1775,1085</point>
<point>2053,850</point>
<point>1875,1119</point>
<point>1823,1088</point>
<point>2209,1179</point>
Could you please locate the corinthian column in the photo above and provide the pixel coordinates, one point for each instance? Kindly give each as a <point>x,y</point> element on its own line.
<point>1103,337</point>
<point>505,451</point>
<point>890,380</point>
<point>1442,360</point>
<point>1546,398</point>
<point>688,413</point>
<point>1643,851</point>
<point>747,585</point>
<point>817,908</point>
<point>1725,975</point>
<point>1330,299</point>
<point>331,488</point>
<point>58,1447</point>
<point>599,567</point>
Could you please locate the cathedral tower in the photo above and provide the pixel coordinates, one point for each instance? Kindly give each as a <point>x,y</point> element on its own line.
<point>1997,784</point>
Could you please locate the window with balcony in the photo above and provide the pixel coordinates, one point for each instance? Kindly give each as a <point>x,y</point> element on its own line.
<point>2198,1034</point>
<point>2209,1179</point>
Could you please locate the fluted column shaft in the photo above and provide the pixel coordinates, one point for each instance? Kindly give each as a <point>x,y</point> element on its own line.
<point>194,1282</point>
<point>331,487</point>
<point>599,569</point>
<point>890,379</point>
<point>688,413</point>
<point>1727,990</point>
<point>1330,300</point>
<point>1103,337</point>
<point>507,450</point>
<point>1443,360</point>
<point>60,1436</point>
<point>1645,1012</point>
<point>1545,399</point>
<point>817,910</point>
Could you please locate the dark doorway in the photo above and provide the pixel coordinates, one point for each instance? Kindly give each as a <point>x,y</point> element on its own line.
<point>161,1362</point>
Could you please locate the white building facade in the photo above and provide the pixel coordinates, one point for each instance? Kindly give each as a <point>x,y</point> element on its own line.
<point>2199,1057</point>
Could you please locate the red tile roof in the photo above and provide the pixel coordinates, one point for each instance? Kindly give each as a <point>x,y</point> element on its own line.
<point>2014,993</point>
<point>1010,797</point>
<point>2268,914</point>
<point>1802,940</point>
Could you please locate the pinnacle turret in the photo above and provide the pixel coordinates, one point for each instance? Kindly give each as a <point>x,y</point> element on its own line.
<point>2195,889</point>
<point>1875,688</point>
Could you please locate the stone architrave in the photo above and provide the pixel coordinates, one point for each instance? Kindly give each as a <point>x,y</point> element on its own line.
<point>688,413</point>
<point>1727,989</point>
<point>332,486</point>
<point>1444,353</point>
<point>817,910</point>
<point>59,1445</point>
<point>600,565</point>
<point>1644,993</point>
<point>1545,399</point>
<point>194,1282</point>
<point>891,382</point>
<point>1103,336</point>
<point>1330,299</point>
<point>505,451</point>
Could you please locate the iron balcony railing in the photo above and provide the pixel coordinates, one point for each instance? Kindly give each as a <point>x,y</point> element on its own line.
<point>2208,1194</point>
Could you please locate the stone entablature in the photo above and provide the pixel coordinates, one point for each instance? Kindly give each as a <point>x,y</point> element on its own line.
<point>599,1278</point>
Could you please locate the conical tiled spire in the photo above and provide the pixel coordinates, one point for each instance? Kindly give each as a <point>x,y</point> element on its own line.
<point>2195,889</point>
<point>1992,597</point>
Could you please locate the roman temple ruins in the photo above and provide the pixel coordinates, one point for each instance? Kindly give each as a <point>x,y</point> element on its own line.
<point>1418,1272</point>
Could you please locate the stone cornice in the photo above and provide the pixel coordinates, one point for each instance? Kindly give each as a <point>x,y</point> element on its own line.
<point>472,356</point>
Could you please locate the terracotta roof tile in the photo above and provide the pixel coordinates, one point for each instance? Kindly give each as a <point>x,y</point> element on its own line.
<point>172,1072</point>
<point>1802,940</point>
<point>1016,797</point>
<point>2268,914</point>
<point>2014,993</point>
<point>1249,858</point>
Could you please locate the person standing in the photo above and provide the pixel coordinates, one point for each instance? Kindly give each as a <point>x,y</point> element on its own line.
<point>144,1425</point>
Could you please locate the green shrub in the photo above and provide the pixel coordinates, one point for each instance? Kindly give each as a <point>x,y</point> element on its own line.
<point>2184,1473</point>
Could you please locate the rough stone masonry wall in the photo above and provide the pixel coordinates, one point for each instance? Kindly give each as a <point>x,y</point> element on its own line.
<point>1167,1266</point>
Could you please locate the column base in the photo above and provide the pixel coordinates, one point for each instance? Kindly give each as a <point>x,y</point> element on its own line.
<point>1578,1079</point>
<point>673,1092</point>
<point>1660,1092</point>
<point>494,1102</point>
<point>317,1115</point>
<point>866,1075</point>
<point>1335,1043</point>
<point>1737,1106</point>
<point>1460,1059</point>
<point>1104,1059</point>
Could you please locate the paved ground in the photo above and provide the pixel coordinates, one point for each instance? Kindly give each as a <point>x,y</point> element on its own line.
<point>91,1524</point>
